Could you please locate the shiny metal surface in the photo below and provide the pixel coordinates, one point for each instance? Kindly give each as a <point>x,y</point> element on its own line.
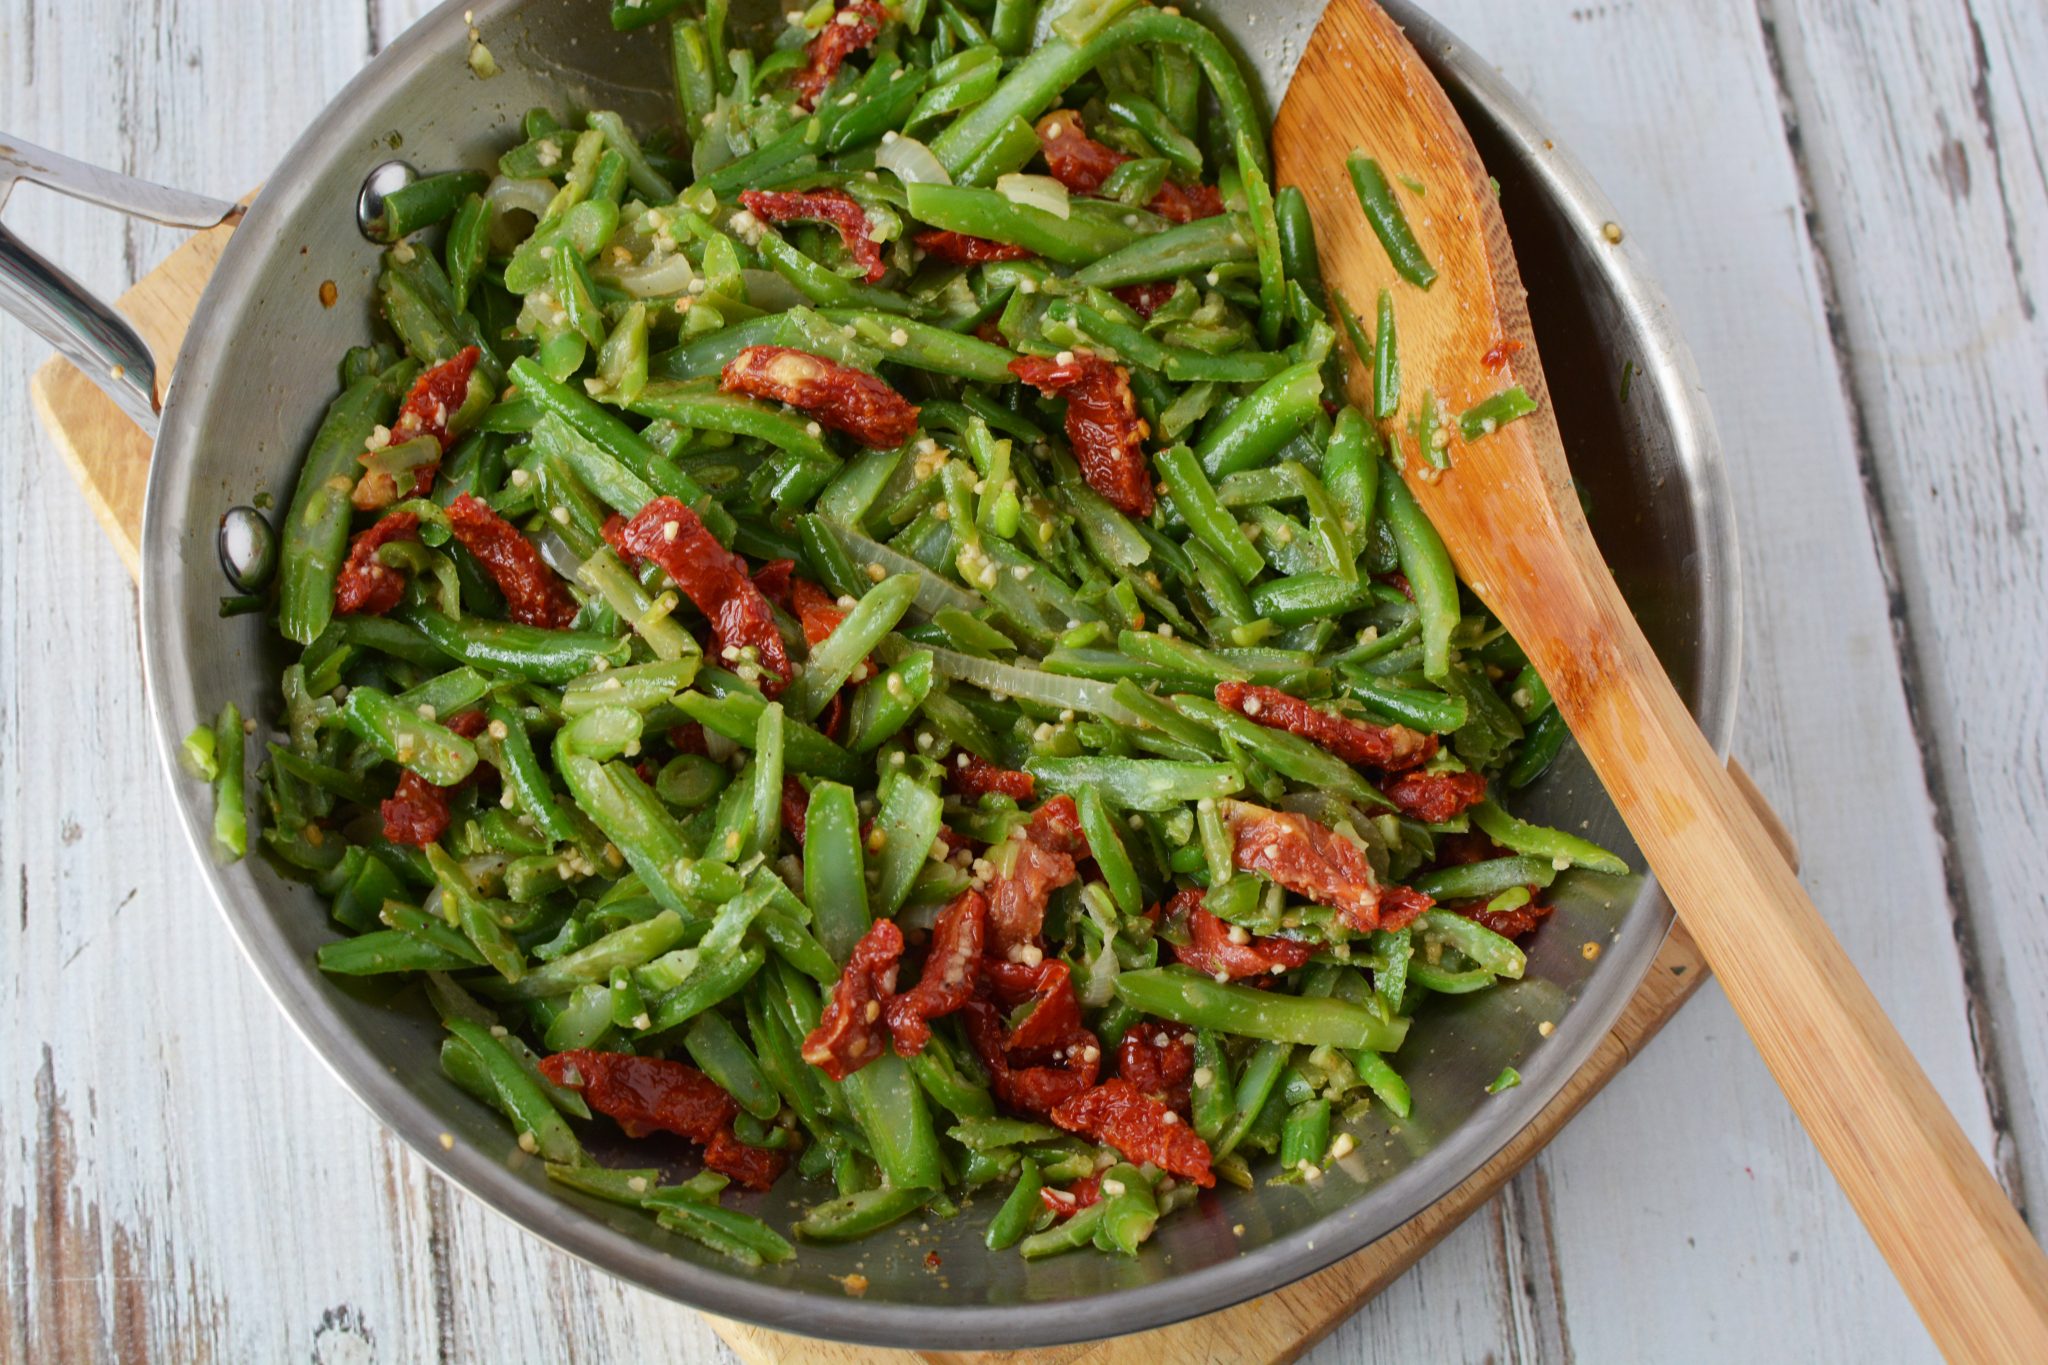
<point>85,329</point>
<point>252,382</point>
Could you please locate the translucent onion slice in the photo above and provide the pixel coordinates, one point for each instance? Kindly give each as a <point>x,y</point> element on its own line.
<point>1035,192</point>
<point>1035,685</point>
<point>911,161</point>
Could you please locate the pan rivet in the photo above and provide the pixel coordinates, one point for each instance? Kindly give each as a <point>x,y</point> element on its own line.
<point>248,548</point>
<point>382,180</point>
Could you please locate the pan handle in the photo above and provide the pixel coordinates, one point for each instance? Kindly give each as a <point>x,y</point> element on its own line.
<point>84,328</point>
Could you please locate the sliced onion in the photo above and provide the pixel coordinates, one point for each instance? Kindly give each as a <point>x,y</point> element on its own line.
<point>911,161</point>
<point>656,279</point>
<point>1033,684</point>
<point>934,594</point>
<point>506,197</point>
<point>559,557</point>
<point>1034,192</point>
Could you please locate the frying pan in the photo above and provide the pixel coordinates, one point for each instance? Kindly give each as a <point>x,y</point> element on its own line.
<point>258,367</point>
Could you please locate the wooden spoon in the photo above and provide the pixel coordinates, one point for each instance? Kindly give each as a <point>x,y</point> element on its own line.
<point>1507,512</point>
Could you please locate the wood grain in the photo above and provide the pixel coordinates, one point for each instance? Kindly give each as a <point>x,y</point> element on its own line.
<point>187,1218</point>
<point>1507,508</point>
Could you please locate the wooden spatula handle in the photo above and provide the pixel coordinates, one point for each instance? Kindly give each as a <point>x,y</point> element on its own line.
<point>1967,1262</point>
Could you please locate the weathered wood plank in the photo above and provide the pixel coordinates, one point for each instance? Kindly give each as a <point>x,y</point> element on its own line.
<point>1921,135</point>
<point>1690,1183</point>
<point>180,1179</point>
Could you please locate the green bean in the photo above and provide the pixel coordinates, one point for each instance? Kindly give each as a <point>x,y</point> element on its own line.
<point>1265,226</point>
<point>724,1056</point>
<point>1305,1139</point>
<point>651,184</point>
<point>1075,240</point>
<point>1129,1210</point>
<point>1077,1230</point>
<point>1168,255</point>
<point>709,410</point>
<point>1211,1094</point>
<point>854,1216</point>
<point>1138,784</point>
<point>737,716</point>
<point>403,736</point>
<point>1427,565</point>
<point>468,247</point>
<point>1176,363</point>
<point>637,687</point>
<point>1547,735</point>
<point>834,659</point>
<point>1474,881</point>
<point>1389,224</point>
<point>634,945</point>
<point>1188,997</point>
<point>1324,521</point>
<point>1255,430</point>
<point>1426,710</point>
<point>1106,846</point>
<point>1487,949</point>
<point>649,617</point>
<point>949,1084</point>
<point>1538,841</point>
<point>315,534</point>
<point>632,14</point>
<point>835,884</point>
<point>1019,1210</point>
<point>1490,414</point>
<point>890,1108</point>
<point>1307,597</point>
<point>741,1236</point>
<point>1386,362</point>
<point>908,822</point>
<point>423,203</point>
<point>1298,241</point>
<point>929,348</point>
<point>1189,490</point>
<point>710,984</point>
<point>1287,754</point>
<point>384,951</point>
<point>538,1126</point>
<point>479,920</point>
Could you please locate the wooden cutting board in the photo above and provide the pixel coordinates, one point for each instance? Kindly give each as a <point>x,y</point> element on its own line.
<point>109,456</point>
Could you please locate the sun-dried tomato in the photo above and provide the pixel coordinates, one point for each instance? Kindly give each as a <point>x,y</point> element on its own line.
<point>754,1167</point>
<point>1399,583</point>
<point>436,396</point>
<point>1159,1059</point>
<point>645,1094</point>
<point>849,1034</point>
<point>1145,299</point>
<point>533,595</point>
<point>1308,858</point>
<point>847,32</point>
<point>1390,748</point>
<point>1082,164</point>
<point>1030,1085</point>
<point>365,586</point>
<point>1213,951</point>
<point>1065,1203</point>
<point>711,576</point>
<point>833,208</point>
<point>814,608</point>
<point>974,777</point>
<point>1056,825</point>
<point>417,812</point>
<point>1055,1018</point>
<point>951,969</point>
<point>1400,906</point>
<point>1434,798</point>
<point>1507,923</point>
<point>1103,426</point>
<point>1039,861</point>
<point>960,249</point>
<point>1142,1128</point>
<point>839,396</point>
<point>688,738</point>
<point>796,807</point>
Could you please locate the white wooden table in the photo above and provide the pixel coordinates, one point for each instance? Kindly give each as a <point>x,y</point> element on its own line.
<point>1848,204</point>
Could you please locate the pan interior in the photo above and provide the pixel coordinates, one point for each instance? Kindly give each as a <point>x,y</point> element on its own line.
<point>259,368</point>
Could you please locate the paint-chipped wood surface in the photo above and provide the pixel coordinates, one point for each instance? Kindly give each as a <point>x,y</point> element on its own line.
<point>1846,203</point>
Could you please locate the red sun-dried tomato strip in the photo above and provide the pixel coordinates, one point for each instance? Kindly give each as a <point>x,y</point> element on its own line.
<point>1065,1203</point>
<point>950,972</point>
<point>835,42</point>
<point>688,738</point>
<point>1103,426</point>
<point>1499,353</point>
<point>1142,1128</point>
<point>818,614</point>
<point>974,777</point>
<point>1145,299</point>
<point>533,595</point>
<point>1212,951</point>
<point>1436,797</point>
<point>1055,1018</point>
<point>1390,748</point>
<point>647,1094</point>
<point>436,396</point>
<point>959,248</point>
<point>849,1034</point>
<point>1031,1085</point>
<point>796,807</point>
<point>840,397</point>
<point>1041,861</point>
<point>833,208</point>
<point>711,576</point>
<point>1400,906</point>
<point>1082,164</point>
<point>1159,1059</point>
<point>365,587</point>
<point>1308,858</point>
<point>1506,923</point>
<point>754,1167</point>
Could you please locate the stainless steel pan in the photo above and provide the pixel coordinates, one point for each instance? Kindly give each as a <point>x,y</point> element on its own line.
<point>258,367</point>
